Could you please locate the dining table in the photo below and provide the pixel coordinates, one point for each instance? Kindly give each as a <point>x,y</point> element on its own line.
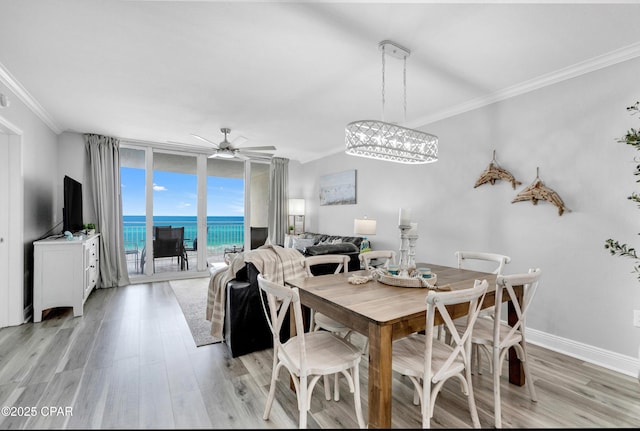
<point>384,313</point>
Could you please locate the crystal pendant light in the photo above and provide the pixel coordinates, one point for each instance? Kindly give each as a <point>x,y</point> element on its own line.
<point>387,141</point>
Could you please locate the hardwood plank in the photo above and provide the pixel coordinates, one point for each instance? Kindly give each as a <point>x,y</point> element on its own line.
<point>123,396</point>
<point>142,371</point>
<point>156,410</point>
<point>89,408</point>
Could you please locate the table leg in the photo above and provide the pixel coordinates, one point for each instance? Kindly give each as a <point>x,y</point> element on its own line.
<point>380,376</point>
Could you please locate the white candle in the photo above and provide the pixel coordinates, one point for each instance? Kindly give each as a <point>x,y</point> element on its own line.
<point>405,217</point>
<point>414,229</point>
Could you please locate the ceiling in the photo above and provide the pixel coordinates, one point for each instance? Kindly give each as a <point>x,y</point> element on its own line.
<point>291,74</point>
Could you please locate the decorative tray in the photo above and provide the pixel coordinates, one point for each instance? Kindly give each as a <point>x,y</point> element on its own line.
<point>394,280</point>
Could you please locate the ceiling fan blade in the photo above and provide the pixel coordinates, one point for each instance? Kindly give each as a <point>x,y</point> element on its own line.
<point>254,154</point>
<point>264,148</point>
<point>205,140</point>
<point>239,140</point>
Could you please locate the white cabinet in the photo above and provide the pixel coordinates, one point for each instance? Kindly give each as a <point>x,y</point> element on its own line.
<point>65,273</point>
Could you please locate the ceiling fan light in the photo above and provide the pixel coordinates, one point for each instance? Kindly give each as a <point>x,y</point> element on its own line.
<point>225,154</point>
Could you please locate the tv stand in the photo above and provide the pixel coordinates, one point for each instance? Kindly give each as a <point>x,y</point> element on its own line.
<point>65,273</point>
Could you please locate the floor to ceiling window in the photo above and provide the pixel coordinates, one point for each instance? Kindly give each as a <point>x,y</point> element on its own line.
<point>225,208</point>
<point>133,177</point>
<point>175,213</point>
<point>212,205</point>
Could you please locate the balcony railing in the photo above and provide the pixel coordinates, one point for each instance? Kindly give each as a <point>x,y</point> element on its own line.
<point>220,234</point>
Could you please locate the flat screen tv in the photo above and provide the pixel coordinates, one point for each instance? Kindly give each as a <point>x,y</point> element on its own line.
<point>72,209</point>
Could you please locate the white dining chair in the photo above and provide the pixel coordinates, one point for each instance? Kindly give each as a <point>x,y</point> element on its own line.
<point>496,337</point>
<point>429,362</point>
<point>366,257</point>
<point>475,260</point>
<point>479,261</point>
<point>319,321</point>
<point>308,355</point>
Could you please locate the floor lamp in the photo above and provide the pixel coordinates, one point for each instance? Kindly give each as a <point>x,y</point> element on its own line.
<point>296,215</point>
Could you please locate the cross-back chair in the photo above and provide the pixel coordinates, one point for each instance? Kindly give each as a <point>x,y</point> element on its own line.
<point>480,261</point>
<point>429,362</point>
<point>496,337</point>
<point>319,321</point>
<point>366,257</point>
<point>308,355</point>
<point>468,259</point>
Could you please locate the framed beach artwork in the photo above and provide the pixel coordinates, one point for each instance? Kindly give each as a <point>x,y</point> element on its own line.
<point>338,188</point>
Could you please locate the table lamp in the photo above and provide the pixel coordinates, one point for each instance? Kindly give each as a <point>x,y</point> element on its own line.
<point>364,226</point>
<point>296,212</point>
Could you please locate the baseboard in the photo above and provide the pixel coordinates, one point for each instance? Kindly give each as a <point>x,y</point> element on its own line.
<point>613,361</point>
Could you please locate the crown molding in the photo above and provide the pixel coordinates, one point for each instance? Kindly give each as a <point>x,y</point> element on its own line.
<point>609,59</point>
<point>7,79</point>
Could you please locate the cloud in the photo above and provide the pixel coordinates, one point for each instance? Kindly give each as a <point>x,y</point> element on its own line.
<point>158,188</point>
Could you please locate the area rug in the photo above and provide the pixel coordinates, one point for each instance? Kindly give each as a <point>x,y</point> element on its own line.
<point>192,297</point>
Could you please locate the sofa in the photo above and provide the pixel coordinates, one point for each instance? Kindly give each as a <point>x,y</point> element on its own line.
<point>245,326</point>
<point>314,244</point>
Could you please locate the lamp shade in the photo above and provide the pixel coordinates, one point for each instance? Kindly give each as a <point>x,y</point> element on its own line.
<point>364,226</point>
<point>296,207</point>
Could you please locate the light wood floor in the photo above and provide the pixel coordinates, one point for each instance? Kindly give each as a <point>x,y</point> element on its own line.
<point>130,362</point>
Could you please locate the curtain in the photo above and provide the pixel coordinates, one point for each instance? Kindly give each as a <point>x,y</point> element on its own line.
<point>278,199</point>
<point>104,163</point>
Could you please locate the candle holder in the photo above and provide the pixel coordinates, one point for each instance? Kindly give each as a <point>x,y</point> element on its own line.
<point>411,258</point>
<point>404,250</point>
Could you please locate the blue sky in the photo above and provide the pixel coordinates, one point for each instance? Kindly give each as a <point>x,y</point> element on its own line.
<point>175,194</point>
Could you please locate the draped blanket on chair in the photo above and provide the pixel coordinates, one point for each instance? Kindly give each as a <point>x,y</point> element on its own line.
<point>278,264</point>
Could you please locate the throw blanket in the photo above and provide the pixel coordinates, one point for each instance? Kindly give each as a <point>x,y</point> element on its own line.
<point>276,263</point>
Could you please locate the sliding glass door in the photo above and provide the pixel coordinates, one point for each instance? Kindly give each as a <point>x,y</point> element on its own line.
<point>175,213</point>
<point>214,207</point>
<point>225,208</point>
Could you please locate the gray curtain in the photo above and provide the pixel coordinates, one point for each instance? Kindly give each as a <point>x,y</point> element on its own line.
<point>278,199</point>
<point>104,161</point>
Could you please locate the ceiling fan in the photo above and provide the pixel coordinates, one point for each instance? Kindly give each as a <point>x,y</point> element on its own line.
<point>228,150</point>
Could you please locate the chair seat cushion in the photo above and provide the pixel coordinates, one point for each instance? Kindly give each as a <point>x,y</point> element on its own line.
<point>327,323</point>
<point>408,356</point>
<point>483,333</point>
<point>326,353</point>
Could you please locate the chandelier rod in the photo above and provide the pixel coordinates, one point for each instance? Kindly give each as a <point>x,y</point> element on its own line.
<point>383,67</point>
<point>404,80</point>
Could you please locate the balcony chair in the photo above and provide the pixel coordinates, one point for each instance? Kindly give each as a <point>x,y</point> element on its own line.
<point>131,248</point>
<point>169,242</point>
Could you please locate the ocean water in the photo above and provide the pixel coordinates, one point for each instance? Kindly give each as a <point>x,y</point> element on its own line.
<point>221,230</point>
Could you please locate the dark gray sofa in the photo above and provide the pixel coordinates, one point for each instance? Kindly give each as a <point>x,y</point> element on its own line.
<point>349,245</point>
<point>245,327</point>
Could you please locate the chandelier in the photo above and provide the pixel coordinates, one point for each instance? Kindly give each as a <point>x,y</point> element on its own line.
<point>388,141</point>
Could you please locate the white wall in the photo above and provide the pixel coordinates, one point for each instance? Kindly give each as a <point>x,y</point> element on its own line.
<point>39,169</point>
<point>74,161</point>
<point>568,130</point>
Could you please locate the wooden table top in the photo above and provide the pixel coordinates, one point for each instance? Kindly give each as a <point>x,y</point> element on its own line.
<point>378,302</point>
